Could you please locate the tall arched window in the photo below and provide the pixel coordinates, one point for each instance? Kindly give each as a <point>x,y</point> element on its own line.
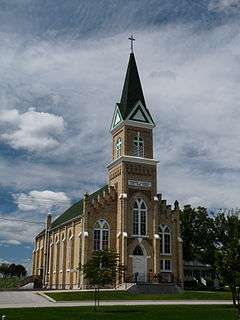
<point>69,250</point>
<point>140,218</point>
<point>165,239</point>
<point>118,147</point>
<point>61,258</point>
<point>138,146</point>
<point>56,256</point>
<point>101,235</point>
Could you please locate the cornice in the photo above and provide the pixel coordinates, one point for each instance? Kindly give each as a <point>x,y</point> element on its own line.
<point>132,159</point>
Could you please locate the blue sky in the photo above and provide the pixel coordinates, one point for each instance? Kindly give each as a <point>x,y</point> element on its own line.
<point>62,66</point>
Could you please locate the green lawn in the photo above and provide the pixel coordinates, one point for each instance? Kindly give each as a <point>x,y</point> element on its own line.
<point>123,312</point>
<point>9,283</point>
<point>123,295</point>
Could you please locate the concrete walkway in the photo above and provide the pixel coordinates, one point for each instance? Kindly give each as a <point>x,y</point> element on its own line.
<point>13,299</point>
<point>18,299</point>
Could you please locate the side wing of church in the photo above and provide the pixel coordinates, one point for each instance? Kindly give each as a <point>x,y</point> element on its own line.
<point>127,215</point>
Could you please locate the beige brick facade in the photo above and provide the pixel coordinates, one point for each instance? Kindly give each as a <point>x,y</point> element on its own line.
<point>134,232</point>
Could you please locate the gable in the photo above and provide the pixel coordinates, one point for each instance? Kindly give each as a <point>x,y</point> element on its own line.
<point>117,118</point>
<point>140,114</point>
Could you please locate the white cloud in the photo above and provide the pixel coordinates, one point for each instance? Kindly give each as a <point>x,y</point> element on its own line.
<point>191,85</point>
<point>42,201</point>
<point>223,5</point>
<point>11,242</point>
<point>16,232</point>
<point>33,131</point>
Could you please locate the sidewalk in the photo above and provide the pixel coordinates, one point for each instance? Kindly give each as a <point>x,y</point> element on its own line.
<point>10,300</point>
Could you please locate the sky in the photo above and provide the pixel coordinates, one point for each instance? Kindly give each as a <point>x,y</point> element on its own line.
<point>62,66</point>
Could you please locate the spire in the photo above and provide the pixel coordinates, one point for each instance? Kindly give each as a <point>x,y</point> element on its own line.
<point>132,89</point>
<point>129,109</point>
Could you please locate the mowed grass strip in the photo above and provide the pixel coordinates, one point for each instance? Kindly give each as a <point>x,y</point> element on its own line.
<point>124,295</point>
<point>123,312</point>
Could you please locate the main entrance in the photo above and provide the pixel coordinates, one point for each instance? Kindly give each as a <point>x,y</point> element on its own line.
<point>139,265</point>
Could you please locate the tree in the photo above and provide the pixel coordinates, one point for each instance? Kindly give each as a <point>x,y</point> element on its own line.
<point>228,255</point>
<point>102,269</point>
<point>20,271</point>
<point>12,270</point>
<point>4,269</point>
<point>197,231</point>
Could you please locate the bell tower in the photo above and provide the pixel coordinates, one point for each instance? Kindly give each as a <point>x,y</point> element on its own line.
<point>133,170</point>
<point>131,128</point>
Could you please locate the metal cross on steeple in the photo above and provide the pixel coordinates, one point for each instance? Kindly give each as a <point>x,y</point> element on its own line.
<point>131,39</point>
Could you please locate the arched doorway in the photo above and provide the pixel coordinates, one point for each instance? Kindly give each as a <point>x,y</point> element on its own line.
<point>139,264</point>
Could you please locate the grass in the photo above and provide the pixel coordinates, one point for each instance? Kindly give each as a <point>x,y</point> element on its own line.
<point>124,295</point>
<point>9,283</point>
<point>123,312</point>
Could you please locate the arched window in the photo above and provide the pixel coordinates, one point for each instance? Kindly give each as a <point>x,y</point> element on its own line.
<point>118,148</point>
<point>101,235</point>
<point>139,218</point>
<point>138,251</point>
<point>61,258</point>
<point>138,146</point>
<point>56,256</point>
<point>165,239</point>
<point>69,250</point>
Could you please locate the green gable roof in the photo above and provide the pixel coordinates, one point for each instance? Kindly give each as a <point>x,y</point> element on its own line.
<point>76,209</point>
<point>71,213</point>
<point>132,90</point>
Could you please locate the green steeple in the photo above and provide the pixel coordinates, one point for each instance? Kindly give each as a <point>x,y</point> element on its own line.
<point>132,90</point>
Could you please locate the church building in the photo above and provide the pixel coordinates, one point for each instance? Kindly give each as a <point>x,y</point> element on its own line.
<point>127,215</point>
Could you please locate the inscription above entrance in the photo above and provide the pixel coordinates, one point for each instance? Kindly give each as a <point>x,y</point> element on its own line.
<point>138,183</point>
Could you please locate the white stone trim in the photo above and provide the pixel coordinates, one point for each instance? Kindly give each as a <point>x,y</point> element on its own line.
<point>123,196</point>
<point>139,236</point>
<point>144,124</point>
<point>156,236</point>
<point>147,257</point>
<point>139,124</point>
<point>132,159</point>
<point>118,235</point>
<point>125,234</point>
<point>113,118</point>
<point>85,234</point>
<point>180,239</point>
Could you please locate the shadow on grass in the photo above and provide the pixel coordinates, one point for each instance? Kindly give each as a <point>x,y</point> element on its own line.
<point>122,311</point>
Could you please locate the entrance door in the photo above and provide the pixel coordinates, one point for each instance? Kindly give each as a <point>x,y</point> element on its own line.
<point>139,266</point>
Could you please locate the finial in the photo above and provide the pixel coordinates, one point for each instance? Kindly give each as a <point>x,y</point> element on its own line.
<point>176,204</point>
<point>86,195</point>
<point>131,39</point>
